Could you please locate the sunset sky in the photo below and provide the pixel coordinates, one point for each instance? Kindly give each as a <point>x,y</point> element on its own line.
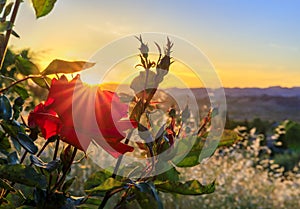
<point>251,43</point>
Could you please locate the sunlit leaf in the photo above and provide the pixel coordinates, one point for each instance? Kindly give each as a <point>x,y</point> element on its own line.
<point>192,187</point>
<point>96,179</point>
<point>61,66</point>
<point>23,174</point>
<point>107,185</point>
<point>4,26</point>
<point>7,10</point>
<point>42,82</point>
<point>26,67</point>
<point>169,175</point>
<point>42,7</point>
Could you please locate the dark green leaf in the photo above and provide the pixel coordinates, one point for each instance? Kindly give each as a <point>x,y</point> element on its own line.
<point>192,187</point>
<point>14,33</point>
<point>26,67</point>
<point>21,91</point>
<point>42,7</point>
<point>51,166</point>
<point>61,66</point>
<point>26,207</point>
<point>2,4</point>
<point>5,108</point>
<point>19,101</point>
<point>7,10</point>
<point>6,185</point>
<point>90,203</point>
<point>107,185</point>
<point>145,200</point>
<point>12,128</point>
<point>66,156</point>
<point>27,143</point>
<point>42,82</point>
<point>13,158</point>
<point>68,184</point>
<point>16,144</point>
<point>23,174</point>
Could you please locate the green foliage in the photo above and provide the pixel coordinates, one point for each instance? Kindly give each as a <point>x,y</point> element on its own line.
<point>43,7</point>
<point>26,67</point>
<point>107,185</point>
<point>23,174</point>
<point>5,108</point>
<point>192,187</point>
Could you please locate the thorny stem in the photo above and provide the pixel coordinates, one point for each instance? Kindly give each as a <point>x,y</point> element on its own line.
<point>23,156</point>
<point>19,81</point>
<point>42,149</point>
<point>54,157</point>
<point>61,180</point>
<point>3,48</point>
<point>109,194</point>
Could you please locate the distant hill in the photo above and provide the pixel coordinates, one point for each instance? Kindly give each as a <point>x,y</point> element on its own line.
<point>273,103</point>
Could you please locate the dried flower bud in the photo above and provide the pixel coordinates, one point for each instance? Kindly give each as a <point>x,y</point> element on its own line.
<point>144,49</point>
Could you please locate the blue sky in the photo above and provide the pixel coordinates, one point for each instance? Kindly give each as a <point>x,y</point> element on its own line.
<point>250,43</point>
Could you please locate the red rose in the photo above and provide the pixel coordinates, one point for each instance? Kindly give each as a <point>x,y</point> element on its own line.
<point>46,119</point>
<point>87,113</point>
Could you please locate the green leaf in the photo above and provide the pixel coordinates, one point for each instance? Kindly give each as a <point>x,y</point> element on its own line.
<point>26,67</point>
<point>201,148</point>
<point>4,26</point>
<point>23,175</point>
<point>192,187</point>
<point>171,175</point>
<point>42,7</point>
<point>42,82</point>
<point>27,143</point>
<point>7,10</point>
<point>5,108</point>
<point>107,185</point>
<point>61,66</point>
<point>96,179</point>
<point>4,144</point>
<point>68,184</point>
<point>20,91</point>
